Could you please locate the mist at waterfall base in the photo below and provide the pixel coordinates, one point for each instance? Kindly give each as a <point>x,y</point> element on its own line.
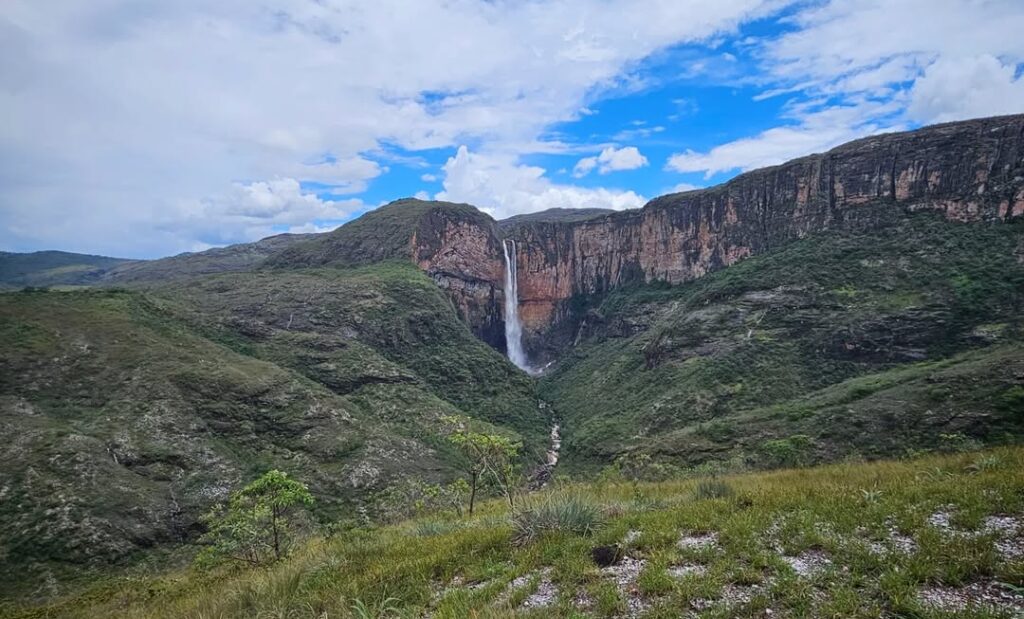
<point>513,328</point>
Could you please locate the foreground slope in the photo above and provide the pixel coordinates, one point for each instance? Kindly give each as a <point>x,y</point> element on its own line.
<point>933,538</point>
<point>131,413</point>
<point>858,341</point>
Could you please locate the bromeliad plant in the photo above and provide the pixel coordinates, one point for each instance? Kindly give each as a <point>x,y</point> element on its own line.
<point>258,524</point>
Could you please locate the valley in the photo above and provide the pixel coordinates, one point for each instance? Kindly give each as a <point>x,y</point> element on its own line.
<point>861,306</point>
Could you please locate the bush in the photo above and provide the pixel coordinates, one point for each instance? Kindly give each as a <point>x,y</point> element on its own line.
<point>566,513</point>
<point>712,489</point>
<point>258,525</point>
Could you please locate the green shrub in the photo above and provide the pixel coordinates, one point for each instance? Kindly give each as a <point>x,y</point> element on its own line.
<point>791,451</point>
<point>258,525</point>
<point>567,513</point>
<point>712,489</point>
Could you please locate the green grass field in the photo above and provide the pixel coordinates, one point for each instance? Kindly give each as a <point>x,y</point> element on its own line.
<point>939,536</point>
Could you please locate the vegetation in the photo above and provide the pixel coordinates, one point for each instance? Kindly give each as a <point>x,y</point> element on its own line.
<point>555,513</point>
<point>136,411</point>
<point>52,268</point>
<point>833,346</point>
<point>916,538</point>
<point>489,454</point>
<point>256,526</point>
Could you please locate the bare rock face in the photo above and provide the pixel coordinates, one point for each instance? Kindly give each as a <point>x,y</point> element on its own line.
<point>968,171</point>
<point>464,257</point>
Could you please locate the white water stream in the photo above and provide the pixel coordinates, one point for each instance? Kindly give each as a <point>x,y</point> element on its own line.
<point>513,328</point>
<point>556,446</point>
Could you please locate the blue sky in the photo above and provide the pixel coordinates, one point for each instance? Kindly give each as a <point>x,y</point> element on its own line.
<point>142,128</point>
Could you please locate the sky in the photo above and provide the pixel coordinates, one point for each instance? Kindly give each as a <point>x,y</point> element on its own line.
<point>147,128</point>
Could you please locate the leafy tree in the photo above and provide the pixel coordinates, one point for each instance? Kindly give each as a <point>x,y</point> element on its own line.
<point>485,454</point>
<point>257,525</point>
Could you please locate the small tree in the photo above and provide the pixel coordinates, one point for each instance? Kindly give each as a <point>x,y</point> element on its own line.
<point>486,454</point>
<point>257,524</point>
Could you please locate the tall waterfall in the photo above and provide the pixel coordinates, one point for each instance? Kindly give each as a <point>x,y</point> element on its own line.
<point>513,328</point>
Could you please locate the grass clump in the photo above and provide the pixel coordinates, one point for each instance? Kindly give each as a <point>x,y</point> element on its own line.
<point>712,488</point>
<point>562,513</point>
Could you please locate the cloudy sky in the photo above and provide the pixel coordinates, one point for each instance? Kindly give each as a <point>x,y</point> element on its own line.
<point>145,128</point>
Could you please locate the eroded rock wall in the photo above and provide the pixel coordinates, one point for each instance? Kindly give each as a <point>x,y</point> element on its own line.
<point>968,171</point>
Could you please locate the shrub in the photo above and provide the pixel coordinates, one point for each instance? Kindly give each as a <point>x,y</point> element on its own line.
<point>712,489</point>
<point>791,451</point>
<point>566,513</point>
<point>258,524</point>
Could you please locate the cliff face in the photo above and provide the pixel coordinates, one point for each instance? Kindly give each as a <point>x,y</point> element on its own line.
<point>463,256</point>
<point>968,171</point>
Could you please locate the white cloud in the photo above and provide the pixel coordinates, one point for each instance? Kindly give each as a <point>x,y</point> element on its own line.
<point>611,159</point>
<point>683,187</point>
<point>116,111</point>
<point>958,88</point>
<point>856,67</point>
<point>255,210</point>
<point>502,187</point>
<point>428,178</point>
<point>815,132</point>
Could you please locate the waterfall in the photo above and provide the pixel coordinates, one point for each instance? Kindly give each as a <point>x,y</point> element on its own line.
<point>513,328</point>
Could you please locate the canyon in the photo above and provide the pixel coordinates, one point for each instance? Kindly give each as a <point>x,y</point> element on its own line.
<point>968,171</point>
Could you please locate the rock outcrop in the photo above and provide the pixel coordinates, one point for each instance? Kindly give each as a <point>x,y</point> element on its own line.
<point>968,171</point>
<point>458,246</point>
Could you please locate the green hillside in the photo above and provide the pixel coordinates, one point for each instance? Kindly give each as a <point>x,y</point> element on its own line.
<point>131,413</point>
<point>857,342</point>
<point>53,268</point>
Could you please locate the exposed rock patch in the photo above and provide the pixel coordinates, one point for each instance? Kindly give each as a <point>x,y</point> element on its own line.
<point>990,596</point>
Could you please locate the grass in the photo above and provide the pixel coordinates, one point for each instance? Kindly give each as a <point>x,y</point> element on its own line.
<point>758,538</point>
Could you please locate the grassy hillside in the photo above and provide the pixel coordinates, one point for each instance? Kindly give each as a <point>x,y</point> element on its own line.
<point>385,233</point>
<point>53,268</point>
<point>233,258</point>
<point>931,538</point>
<point>855,341</point>
<point>370,333</point>
<point>129,413</point>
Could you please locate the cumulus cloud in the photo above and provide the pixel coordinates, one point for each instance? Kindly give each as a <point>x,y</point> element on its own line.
<point>850,73</point>
<point>679,187</point>
<point>814,132</point>
<point>116,111</point>
<point>958,88</point>
<point>611,159</point>
<point>255,210</point>
<point>502,187</point>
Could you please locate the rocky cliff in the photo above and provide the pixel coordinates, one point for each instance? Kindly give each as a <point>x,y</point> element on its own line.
<point>968,171</point>
<point>458,246</point>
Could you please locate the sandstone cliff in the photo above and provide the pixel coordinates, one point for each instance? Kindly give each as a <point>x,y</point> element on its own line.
<point>968,171</point>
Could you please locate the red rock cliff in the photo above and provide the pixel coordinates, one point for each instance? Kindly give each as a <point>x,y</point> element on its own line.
<point>968,171</point>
